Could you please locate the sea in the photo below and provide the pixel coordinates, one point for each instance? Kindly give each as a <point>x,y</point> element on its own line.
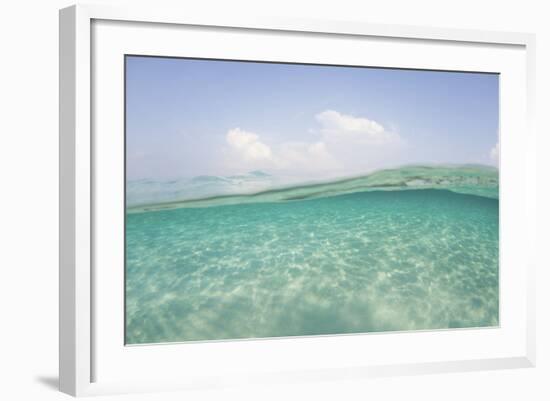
<point>248,256</point>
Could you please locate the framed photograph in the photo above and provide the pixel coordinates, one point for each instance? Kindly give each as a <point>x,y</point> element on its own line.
<point>272,201</point>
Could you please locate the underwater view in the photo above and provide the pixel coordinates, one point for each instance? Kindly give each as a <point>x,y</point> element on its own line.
<point>406,249</point>
<point>276,200</point>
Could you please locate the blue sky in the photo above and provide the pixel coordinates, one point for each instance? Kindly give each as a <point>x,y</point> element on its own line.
<point>201,117</point>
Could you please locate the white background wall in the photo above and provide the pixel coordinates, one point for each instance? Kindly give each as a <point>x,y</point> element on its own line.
<point>29,185</point>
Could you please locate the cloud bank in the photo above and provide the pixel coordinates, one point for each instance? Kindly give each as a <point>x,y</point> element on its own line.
<point>343,144</point>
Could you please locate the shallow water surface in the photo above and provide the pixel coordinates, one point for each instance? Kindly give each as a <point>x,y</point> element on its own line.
<point>363,261</point>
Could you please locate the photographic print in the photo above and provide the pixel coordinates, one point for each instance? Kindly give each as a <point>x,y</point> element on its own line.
<point>282,199</point>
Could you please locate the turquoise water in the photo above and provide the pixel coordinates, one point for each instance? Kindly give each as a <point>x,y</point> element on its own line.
<point>417,249</point>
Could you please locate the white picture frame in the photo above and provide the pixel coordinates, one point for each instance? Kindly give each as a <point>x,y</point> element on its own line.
<point>86,350</point>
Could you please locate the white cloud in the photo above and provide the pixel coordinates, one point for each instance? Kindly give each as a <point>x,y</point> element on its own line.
<point>347,127</point>
<point>247,151</point>
<point>305,156</point>
<point>495,153</point>
<point>343,144</point>
<point>248,145</point>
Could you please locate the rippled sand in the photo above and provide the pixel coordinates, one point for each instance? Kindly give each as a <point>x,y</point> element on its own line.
<point>359,262</point>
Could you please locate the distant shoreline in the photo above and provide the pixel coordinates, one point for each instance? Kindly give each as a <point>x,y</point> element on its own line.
<point>474,179</point>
